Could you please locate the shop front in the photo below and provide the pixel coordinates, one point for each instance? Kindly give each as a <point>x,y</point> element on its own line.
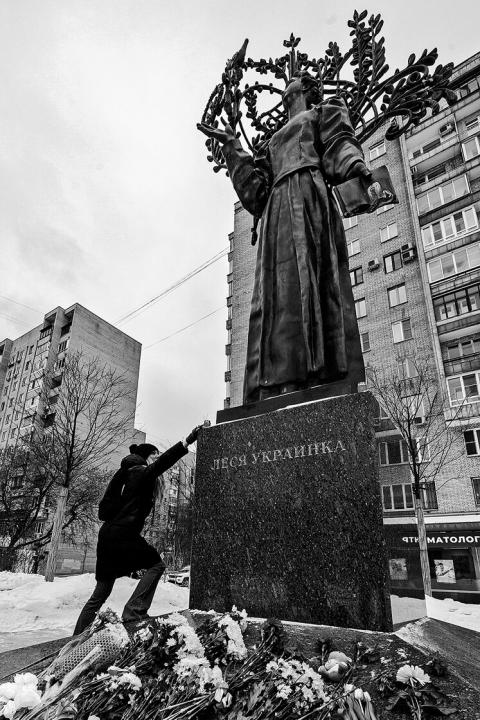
<point>454,555</point>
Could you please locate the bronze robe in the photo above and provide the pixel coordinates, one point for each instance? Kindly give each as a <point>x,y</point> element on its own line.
<point>303,328</point>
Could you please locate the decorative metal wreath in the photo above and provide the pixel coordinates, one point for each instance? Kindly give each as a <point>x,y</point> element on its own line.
<point>371,97</point>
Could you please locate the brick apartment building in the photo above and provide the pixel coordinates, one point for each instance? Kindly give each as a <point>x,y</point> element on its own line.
<point>415,271</point>
<point>40,353</point>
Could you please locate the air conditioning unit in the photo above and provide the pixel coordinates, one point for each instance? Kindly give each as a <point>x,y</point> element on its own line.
<point>446,129</point>
<point>409,252</point>
<point>373,264</point>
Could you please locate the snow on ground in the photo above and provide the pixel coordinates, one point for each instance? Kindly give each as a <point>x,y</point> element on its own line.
<point>454,612</point>
<point>29,604</point>
<point>33,611</point>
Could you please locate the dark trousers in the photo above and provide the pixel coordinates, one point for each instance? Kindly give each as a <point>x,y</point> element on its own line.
<point>137,605</point>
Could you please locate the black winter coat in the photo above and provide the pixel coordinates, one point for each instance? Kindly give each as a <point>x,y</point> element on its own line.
<point>121,549</point>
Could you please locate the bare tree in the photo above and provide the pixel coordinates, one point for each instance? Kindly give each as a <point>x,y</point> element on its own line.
<point>85,425</point>
<point>28,493</point>
<point>415,403</point>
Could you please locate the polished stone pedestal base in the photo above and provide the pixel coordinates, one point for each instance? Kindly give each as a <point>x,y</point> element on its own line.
<point>288,520</point>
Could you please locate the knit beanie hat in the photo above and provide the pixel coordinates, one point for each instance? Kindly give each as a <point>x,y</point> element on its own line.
<point>144,450</point>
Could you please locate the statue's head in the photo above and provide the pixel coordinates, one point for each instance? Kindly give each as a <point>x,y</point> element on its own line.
<point>303,84</point>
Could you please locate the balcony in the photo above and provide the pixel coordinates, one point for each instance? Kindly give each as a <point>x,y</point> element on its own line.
<point>228,376</point>
<point>458,416</point>
<point>461,365</point>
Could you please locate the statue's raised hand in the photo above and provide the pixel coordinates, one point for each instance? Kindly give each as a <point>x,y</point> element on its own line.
<point>223,136</point>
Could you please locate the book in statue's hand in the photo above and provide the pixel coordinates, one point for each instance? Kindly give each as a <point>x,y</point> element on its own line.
<point>361,195</point>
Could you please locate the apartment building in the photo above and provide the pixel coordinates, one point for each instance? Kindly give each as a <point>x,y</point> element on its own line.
<point>415,272</point>
<point>40,353</point>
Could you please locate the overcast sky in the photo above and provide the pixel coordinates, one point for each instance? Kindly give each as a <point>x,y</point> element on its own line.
<point>106,197</point>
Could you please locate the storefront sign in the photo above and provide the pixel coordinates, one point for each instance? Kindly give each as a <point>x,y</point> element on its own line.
<point>444,539</point>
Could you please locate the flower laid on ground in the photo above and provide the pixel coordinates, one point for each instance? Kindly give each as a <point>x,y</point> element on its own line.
<point>412,675</point>
<point>235,646</point>
<point>21,693</point>
<point>336,666</point>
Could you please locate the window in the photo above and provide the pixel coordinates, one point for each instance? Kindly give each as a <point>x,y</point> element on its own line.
<point>463,349</point>
<point>365,341</point>
<point>350,222</point>
<point>393,452</point>
<point>46,332</point>
<point>471,148</point>
<point>401,330</point>
<point>429,493</point>
<point>457,303</point>
<point>393,261</point>
<point>397,295</point>
<point>384,208</point>
<point>356,276</point>
<point>353,247</point>
<point>408,369</point>
<point>414,408</point>
<point>455,262</point>
<point>30,349</point>
<point>62,346</point>
<point>27,365</point>
<point>472,123</point>
<point>388,232</point>
<point>476,490</point>
<point>449,227</point>
<point>377,150</point>
<point>451,190</point>
<point>360,308</point>
<point>472,442</point>
<point>464,388</point>
<point>397,497</point>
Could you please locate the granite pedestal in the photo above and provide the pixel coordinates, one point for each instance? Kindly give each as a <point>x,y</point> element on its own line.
<point>288,519</point>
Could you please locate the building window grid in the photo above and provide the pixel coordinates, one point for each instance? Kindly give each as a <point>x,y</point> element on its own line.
<point>402,330</point>
<point>443,194</point>
<point>393,452</point>
<point>360,308</point>
<point>393,261</point>
<point>377,150</point>
<point>454,263</point>
<point>384,208</point>
<point>460,302</point>
<point>350,222</point>
<point>472,441</point>
<point>356,276</point>
<point>464,388</point>
<point>388,232</point>
<point>397,295</point>
<point>397,496</point>
<point>463,349</point>
<point>353,247</point>
<point>365,341</point>
<point>450,227</point>
<point>476,490</point>
<point>471,148</point>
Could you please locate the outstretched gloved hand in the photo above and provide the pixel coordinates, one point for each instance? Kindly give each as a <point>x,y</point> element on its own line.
<point>193,435</point>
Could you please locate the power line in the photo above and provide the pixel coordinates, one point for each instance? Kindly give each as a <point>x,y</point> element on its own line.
<point>29,307</point>
<point>133,313</point>
<point>167,337</point>
<point>14,319</point>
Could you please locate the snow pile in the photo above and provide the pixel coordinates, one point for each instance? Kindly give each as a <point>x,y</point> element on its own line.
<point>28,603</point>
<point>454,612</point>
<point>10,580</point>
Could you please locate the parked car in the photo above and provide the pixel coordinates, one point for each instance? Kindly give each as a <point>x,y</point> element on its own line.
<point>180,577</point>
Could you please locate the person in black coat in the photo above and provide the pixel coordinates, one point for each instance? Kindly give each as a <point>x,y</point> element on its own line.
<point>121,549</point>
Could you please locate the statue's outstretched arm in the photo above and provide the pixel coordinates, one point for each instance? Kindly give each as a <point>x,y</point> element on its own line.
<point>251,182</point>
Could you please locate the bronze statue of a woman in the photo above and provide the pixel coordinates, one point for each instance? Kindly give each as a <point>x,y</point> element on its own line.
<point>303,329</point>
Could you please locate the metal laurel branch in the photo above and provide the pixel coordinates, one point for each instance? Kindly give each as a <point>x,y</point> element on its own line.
<point>373,97</point>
